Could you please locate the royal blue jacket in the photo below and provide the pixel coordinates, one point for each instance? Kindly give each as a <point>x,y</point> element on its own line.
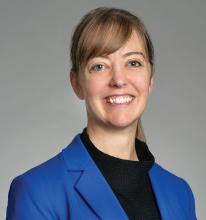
<point>71,187</point>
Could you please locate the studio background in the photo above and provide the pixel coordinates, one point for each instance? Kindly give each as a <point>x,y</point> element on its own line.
<point>39,113</point>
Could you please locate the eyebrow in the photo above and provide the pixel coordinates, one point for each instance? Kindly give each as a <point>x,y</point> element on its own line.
<point>134,52</point>
<point>128,54</point>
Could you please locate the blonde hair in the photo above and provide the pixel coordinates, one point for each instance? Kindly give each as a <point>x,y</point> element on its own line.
<point>102,31</point>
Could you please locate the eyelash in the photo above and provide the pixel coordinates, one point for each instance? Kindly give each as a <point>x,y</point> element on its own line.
<point>139,63</point>
<point>93,68</point>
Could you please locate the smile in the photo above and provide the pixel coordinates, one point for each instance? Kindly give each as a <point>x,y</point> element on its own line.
<point>119,99</point>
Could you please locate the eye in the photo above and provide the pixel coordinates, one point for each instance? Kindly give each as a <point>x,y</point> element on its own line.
<point>98,67</point>
<point>134,63</point>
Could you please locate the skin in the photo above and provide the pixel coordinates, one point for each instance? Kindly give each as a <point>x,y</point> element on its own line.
<point>112,127</point>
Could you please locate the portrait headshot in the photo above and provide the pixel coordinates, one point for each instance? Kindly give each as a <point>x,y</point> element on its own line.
<point>104,111</point>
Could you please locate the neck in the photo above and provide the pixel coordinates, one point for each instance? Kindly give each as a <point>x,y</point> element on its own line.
<point>119,143</point>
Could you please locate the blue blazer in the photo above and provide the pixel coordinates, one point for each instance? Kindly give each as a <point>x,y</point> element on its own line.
<point>71,187</point>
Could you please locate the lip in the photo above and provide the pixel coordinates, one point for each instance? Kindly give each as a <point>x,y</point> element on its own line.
<point>119,95</point>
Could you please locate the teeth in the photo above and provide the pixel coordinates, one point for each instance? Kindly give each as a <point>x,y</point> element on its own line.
<point>120,100</point>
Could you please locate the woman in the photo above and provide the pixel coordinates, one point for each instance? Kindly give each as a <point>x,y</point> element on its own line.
<point>107,172</point>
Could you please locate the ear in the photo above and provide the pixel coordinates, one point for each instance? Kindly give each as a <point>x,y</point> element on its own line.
<point>151,86</point>
<point>75,84</point>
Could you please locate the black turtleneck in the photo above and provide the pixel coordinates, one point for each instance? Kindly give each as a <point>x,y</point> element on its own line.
<point>128,179</point>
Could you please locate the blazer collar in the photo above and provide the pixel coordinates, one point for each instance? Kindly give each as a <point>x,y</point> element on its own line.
<point>92,185</point>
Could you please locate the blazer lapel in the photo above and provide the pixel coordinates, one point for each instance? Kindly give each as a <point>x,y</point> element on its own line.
<point>91,184</point>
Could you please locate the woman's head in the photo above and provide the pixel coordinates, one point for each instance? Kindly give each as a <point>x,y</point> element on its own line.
<point>104,32</point>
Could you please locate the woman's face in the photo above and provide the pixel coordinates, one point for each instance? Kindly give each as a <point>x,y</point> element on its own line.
<point>116,87</point>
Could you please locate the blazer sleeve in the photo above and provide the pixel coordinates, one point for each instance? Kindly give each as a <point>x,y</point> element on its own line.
<point>191,201</point>
<point>24,204</point>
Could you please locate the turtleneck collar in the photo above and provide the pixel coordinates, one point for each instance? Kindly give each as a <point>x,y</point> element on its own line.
<point>124,176</point>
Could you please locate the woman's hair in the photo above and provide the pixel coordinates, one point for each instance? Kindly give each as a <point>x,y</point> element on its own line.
<point>102,31</point>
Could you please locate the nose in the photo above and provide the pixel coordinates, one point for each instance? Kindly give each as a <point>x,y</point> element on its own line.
<point>118,78</point>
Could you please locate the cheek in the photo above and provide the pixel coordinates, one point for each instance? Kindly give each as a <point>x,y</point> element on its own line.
<point>94,86</point>
<point>141,83</point>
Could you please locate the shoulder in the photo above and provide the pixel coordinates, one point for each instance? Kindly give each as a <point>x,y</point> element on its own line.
<point>51,171</point>
<point>47,171</point>
<point>174,187</point>
<point>40,176</point>
<point>48,176</point>
<point>40,191</point>
<point>166,176</point>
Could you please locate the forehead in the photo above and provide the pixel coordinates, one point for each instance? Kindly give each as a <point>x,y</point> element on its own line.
<point>134,43</point>
<point>133,46</point>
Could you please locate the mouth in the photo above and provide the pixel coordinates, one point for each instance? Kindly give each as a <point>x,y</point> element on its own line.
<point>119,99</point>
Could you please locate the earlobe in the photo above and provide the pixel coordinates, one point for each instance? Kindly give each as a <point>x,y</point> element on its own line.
<point>75,84</point>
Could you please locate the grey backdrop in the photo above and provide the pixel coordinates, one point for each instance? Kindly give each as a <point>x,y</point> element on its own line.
<point>40,114</point>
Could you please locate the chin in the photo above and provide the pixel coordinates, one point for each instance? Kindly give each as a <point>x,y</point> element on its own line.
<point>121,124</point>
<point>124,120</point>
